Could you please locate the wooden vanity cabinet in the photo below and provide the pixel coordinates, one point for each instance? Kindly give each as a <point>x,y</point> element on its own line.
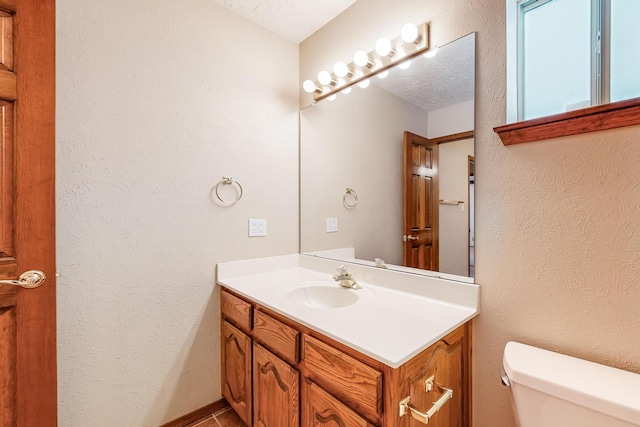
<point>278,373</point>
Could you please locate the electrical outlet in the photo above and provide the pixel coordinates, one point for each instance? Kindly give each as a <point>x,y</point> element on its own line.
<point>332,225</point>
<point>257,227</point>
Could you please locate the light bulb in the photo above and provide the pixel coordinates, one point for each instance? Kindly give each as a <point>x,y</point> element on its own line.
<point>431,53</point>
<point>409,33</point>
<point>346,90</point>
<point>383,74</point>
<point>364,83</point>
<point>324,78</point>
<point>331,97</point>
<point>383,47</point>
<point>309,86</point>
<point>341,69</point>
<point>404,65</point>
<point>361,59</point>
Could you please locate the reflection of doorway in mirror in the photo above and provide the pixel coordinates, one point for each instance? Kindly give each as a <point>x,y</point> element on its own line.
<point>453,171</point>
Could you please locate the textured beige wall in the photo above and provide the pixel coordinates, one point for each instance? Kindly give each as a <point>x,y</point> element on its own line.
<point>557,223</point>
<point>156,102</point>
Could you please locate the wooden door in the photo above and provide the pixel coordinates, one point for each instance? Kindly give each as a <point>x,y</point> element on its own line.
<point>421,202</point>
<point>236,370</point>
<point>276,391</point>
<point>27,212</point>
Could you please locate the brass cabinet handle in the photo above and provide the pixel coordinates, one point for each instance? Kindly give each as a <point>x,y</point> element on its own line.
<point>409,237</point>
<point>28,279</point>
<point>406,407</point>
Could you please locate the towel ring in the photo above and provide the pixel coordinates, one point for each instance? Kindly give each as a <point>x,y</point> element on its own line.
<point>350,204</point>
<point>227,180</point>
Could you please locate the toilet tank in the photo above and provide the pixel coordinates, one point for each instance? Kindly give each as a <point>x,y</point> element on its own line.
<point>554,390</point>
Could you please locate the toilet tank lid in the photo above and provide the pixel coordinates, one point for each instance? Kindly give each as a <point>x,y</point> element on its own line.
<point>601,388</point>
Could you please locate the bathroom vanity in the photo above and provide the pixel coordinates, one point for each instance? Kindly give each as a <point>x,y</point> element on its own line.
<point>297,349</point>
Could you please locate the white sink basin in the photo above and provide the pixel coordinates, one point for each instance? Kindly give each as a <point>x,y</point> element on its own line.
<point>323,296</point>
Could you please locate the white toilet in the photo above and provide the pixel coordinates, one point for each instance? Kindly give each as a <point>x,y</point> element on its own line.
<point>553,390</point>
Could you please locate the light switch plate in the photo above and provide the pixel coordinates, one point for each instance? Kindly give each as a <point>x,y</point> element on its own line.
<point>257,227</point>
<point>332,225</point>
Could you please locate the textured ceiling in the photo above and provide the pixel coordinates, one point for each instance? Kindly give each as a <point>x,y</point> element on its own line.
<point>293,19</point>
<point>433,83</point>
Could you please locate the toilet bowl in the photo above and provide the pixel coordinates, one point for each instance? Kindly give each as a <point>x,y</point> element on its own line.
<point>554,390</point>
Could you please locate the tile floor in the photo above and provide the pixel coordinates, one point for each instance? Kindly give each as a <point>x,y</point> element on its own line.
<point>223,418</point>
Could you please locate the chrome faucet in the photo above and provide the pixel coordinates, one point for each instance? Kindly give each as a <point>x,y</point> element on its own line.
<point>345,279</point>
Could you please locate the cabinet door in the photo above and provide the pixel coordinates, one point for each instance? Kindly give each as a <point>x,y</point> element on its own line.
<point>445,364</point>
<point>323,410</point>
<point>236,370</point>
<point>276,389</point>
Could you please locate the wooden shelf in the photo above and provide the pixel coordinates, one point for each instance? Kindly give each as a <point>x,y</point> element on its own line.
<point>601,117</point>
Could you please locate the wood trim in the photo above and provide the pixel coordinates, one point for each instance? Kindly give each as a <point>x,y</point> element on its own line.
<point>8,268</point>
<point>8,298</point>
<point>467,375</point>
<point>454,137</point>
<point>198,414</point>
<point>9,5</point>
<point>8,85</point>
<point>592,119</point>
<point>7,178</point>
<point>35,48</point>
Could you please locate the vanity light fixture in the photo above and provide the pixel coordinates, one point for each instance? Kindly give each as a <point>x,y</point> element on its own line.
<point>361,59</point>
<point>364,83</point>
<point>431,53</point>
<point>413,40</point>
<point>384,48</point>
<point>325,78</point>
<point>309,86</point>
<point>342,70</point>
<point>410,33</point>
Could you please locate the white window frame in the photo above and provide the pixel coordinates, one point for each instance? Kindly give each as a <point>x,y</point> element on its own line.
<point>600,58</point>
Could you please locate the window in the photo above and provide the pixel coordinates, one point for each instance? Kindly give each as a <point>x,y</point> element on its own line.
<point>573,54</point>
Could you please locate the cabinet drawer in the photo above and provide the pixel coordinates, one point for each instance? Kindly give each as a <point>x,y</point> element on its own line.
<point>323,409</point>
<point>353,382</point>
<point>276,336</point>
<point>236,310</point>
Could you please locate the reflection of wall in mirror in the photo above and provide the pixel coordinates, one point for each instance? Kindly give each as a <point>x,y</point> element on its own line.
<point>449,120</point>
<point>349,143</point>
<point>353,142</point>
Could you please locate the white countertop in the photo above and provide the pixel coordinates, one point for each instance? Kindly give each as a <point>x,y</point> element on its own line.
<point>397,314</point>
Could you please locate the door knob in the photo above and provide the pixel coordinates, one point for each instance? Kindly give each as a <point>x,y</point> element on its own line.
<point>28,279</point>
<point>409,237</point>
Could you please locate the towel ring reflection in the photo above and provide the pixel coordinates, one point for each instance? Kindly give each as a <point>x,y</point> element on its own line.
<point>352,201</point>
<point>227,180</point>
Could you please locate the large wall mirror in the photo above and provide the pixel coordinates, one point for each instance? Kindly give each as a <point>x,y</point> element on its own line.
<point>387,172</point>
